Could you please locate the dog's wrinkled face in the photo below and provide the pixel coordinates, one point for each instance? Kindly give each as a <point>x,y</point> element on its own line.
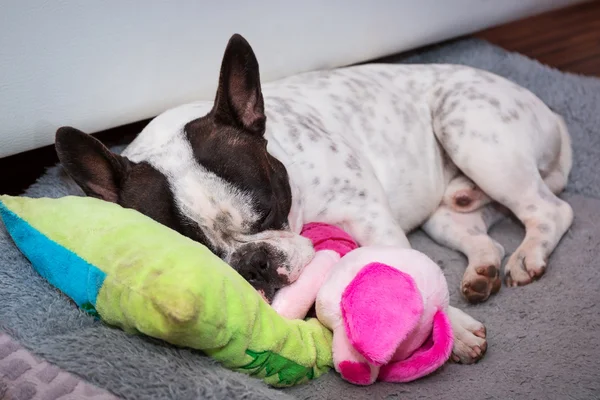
<point>222,188</point>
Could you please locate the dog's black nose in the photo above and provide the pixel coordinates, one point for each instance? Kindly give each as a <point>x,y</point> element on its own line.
<point>256,262</point>
<point>253,263</point>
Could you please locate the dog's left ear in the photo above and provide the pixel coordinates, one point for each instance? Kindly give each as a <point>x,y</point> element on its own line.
<point>239,100</point>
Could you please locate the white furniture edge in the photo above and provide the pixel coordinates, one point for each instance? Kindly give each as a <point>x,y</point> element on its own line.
<point>97,65</point>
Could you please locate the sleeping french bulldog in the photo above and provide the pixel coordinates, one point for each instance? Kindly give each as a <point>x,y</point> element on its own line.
<point>377,149</point>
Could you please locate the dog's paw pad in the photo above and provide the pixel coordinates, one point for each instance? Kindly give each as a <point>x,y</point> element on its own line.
<point>480,282</point>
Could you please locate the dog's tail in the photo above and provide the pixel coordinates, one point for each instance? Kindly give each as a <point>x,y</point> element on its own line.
<point>557,179</point>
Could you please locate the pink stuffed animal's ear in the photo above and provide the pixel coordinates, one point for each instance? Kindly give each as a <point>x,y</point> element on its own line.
<point>380,308</point>
<point>432,355</point>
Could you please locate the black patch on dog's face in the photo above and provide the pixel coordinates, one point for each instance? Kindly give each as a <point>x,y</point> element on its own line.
<point>230,141</point>
<point>242,160</point>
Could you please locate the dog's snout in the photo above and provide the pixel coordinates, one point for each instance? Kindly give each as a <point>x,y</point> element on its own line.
<point>253,263</point>
<point>259,263</point>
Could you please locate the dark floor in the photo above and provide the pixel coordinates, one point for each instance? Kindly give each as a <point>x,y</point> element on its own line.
<point>568,39</point>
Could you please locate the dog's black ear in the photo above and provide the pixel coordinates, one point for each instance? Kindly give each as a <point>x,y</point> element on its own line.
<point>239,100</point>
<point>97,170</point>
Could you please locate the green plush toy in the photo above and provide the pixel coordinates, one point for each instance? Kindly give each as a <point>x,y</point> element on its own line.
<point>141,276</point>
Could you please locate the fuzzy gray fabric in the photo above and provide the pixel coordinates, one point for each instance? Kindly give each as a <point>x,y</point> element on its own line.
<point>543,338</point>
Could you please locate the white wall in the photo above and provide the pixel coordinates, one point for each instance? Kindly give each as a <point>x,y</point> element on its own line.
<point>100,64</point>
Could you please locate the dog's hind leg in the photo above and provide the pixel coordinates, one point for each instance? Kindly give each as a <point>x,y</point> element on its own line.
<point>467,233</point>
<point>518,160</point>
<point>546,219</point>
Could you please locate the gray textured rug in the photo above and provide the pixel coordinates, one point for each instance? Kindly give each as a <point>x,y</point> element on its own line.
<point>543,338</point>
<point>27,377</point>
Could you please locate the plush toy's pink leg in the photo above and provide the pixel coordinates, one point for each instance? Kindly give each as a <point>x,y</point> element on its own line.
<point>349,363</point>
<point>432,355</point>
<point>380,308</point>
<point>295,300</point>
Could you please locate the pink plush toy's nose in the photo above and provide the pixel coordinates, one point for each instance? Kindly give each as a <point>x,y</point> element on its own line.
<point>353,367</point>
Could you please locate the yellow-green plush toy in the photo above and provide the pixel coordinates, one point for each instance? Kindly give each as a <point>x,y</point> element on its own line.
<point>143,277</point>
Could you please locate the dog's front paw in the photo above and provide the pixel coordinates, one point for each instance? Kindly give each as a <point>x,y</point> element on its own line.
<point>470,342</point>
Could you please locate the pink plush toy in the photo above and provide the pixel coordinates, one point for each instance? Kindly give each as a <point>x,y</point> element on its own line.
<point>386,306</point>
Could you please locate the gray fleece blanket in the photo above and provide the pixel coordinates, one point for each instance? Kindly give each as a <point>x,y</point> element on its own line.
<point>544,340</point>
